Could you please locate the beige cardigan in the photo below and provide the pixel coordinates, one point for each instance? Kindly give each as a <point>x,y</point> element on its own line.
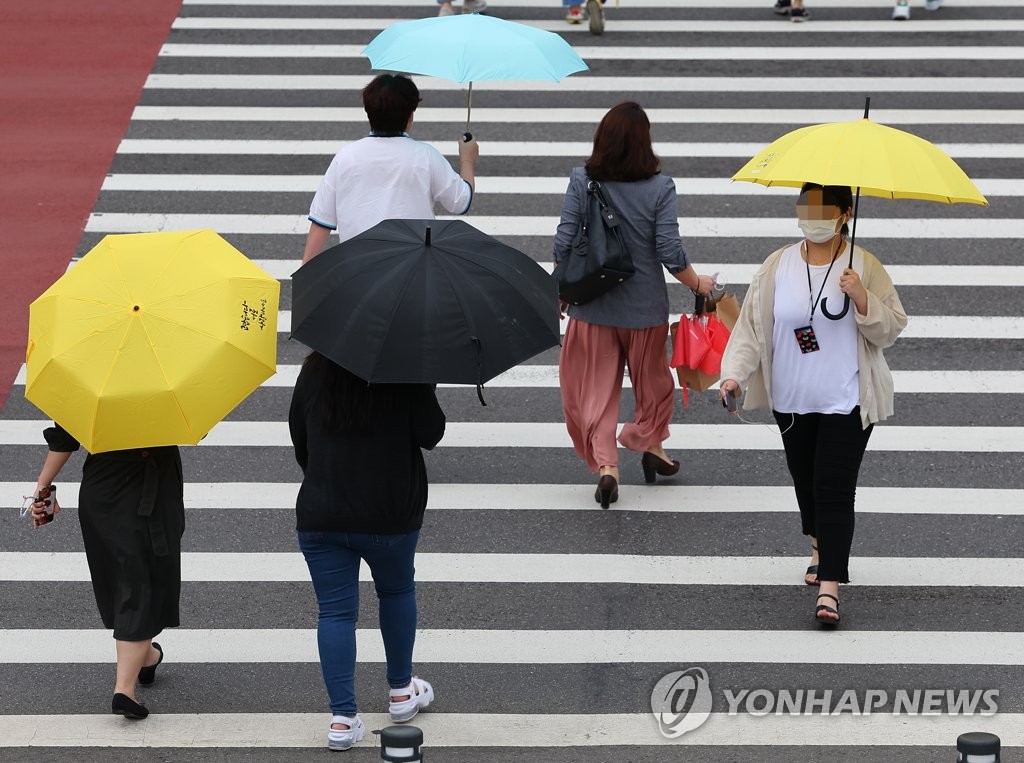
<point>748,357</point>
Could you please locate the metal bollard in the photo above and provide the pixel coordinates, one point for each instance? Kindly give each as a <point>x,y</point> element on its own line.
<point>401,744</point>
<point>977,747</point>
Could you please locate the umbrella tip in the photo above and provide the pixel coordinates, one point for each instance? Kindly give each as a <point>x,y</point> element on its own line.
<point>426,240</point>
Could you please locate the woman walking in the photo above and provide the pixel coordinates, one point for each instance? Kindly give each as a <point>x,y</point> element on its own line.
<point>132,513</point>
<point>821,372</point>
<point>628,325</point>
<point>363,494</point>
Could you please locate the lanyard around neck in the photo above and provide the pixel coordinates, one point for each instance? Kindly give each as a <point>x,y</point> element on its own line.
<point>810,288</point>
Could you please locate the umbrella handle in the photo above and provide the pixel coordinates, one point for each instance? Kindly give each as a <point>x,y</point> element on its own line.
<point>853,238</point>
<point>469,110</point>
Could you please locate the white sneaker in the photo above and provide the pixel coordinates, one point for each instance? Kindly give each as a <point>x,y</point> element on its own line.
<point>932,5</point>
<point>575,14</point>
<point>342,739</point>
<point>420,694</point>
<point>901,11</point>
<point>473,6</point>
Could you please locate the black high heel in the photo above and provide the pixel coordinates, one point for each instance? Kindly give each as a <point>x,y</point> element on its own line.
<point>607,491</point>
<point>128,707</point>
<point>653,465</point>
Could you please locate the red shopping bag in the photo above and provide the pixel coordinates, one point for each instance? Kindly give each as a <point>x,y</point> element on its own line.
<point>717,334</point>
<point>691,343</point>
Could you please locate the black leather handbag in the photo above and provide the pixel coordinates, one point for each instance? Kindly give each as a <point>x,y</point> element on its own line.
<point>598,260</point>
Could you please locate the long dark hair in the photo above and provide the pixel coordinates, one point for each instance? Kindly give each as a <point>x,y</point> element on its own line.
<point>622,146</point>
<point>344,401</point>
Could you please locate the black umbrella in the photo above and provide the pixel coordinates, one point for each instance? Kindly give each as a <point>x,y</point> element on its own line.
<point>425,302</point>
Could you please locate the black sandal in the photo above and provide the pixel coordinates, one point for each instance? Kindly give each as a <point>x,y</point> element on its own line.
<point>811,570</point>
<point>826,621</point>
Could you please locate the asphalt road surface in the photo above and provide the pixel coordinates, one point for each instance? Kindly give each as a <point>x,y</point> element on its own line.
<point>546,622</point>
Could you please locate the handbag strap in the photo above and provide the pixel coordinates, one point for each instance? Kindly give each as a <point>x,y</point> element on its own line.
<point>611,217</point>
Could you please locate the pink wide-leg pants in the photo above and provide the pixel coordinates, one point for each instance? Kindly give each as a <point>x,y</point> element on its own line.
<point>590,375</point>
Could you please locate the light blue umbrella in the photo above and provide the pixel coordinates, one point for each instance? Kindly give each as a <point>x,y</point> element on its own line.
<point>471,48</point>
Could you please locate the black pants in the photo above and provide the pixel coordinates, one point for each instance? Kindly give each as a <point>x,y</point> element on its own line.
<point>824,452</point>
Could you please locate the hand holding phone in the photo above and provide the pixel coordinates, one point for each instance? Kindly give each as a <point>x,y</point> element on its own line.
<point>44,506</point>
<point>729,392</point>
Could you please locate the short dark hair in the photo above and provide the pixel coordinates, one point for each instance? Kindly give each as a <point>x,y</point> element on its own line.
<point>622,146</point>
<point>834,195</point>
<point>389,100</point>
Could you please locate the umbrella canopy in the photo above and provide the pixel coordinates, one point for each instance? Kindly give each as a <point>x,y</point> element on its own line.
<point>471,47</point>
<point>879,160</point>
<point>151,339</point>
<point>425,301</point>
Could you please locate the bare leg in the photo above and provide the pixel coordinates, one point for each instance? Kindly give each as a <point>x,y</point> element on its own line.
<point>131,657</point>
<point>612,470</point>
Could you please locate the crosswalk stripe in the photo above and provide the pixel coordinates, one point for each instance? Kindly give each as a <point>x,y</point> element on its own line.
<point>688,499</point>
<point>662,26</point>
<point>561,568</point>
<point>685,186</point>
<point>592,84</point>
<point>690,227</point>
<point>740,273</point>
<point>540,647</point>
<point>254,730</point>
<point>648,53</point>
<point>919,326</point>
<point>586,116</point>
<point>907,382</point>
<point>728,436</point>
<point>743,151</point>
<point>690,4</point>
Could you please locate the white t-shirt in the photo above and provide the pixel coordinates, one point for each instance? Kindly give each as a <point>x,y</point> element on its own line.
<point>825,381</point>
<point>376,179</point>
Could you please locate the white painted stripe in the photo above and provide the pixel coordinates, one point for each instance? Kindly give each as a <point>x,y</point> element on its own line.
<point>441,730</point>
<point>857,53</point>
<point>647,26</point>
<point>907,382</point>
<point>685,186</point>
<point>690,227</point>
<point>547,3</point>
<point>547,647</point>
<point>584,116</point>
<point>741,273</point>
<point>919,327</point>
<point>688,499</point>
<point>560,568</point>
<point>732,436</point>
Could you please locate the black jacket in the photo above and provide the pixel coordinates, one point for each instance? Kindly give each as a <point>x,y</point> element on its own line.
<point>372,483</point>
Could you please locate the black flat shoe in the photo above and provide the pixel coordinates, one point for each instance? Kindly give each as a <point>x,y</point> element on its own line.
<point>147,674</point>
<point>653,464</point>
<point>607,491</point>
<point>129,708</point>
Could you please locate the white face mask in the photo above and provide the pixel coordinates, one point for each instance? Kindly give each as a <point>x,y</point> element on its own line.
<point>820,231</point>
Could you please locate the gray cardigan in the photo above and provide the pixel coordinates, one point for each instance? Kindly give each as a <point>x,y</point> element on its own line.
<point>651,232</point>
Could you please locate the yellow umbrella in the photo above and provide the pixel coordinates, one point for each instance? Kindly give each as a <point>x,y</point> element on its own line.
<point>874,159</point>
<point>879,160</point>
<point>151,339</point>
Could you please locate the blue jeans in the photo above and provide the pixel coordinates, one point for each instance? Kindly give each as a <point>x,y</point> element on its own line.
<point>333,561</point>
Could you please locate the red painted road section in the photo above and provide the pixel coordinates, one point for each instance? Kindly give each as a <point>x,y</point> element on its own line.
<point>71,72</point>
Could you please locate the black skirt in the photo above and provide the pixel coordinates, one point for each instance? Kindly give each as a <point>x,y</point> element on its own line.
<point>132,513</point>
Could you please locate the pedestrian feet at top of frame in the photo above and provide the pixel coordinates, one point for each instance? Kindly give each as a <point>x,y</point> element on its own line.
<point>468,6</point>
<point>900,10</point>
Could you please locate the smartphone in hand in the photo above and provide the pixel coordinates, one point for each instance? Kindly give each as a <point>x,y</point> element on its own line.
<point>48,495</point>
<point>729,402</point>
